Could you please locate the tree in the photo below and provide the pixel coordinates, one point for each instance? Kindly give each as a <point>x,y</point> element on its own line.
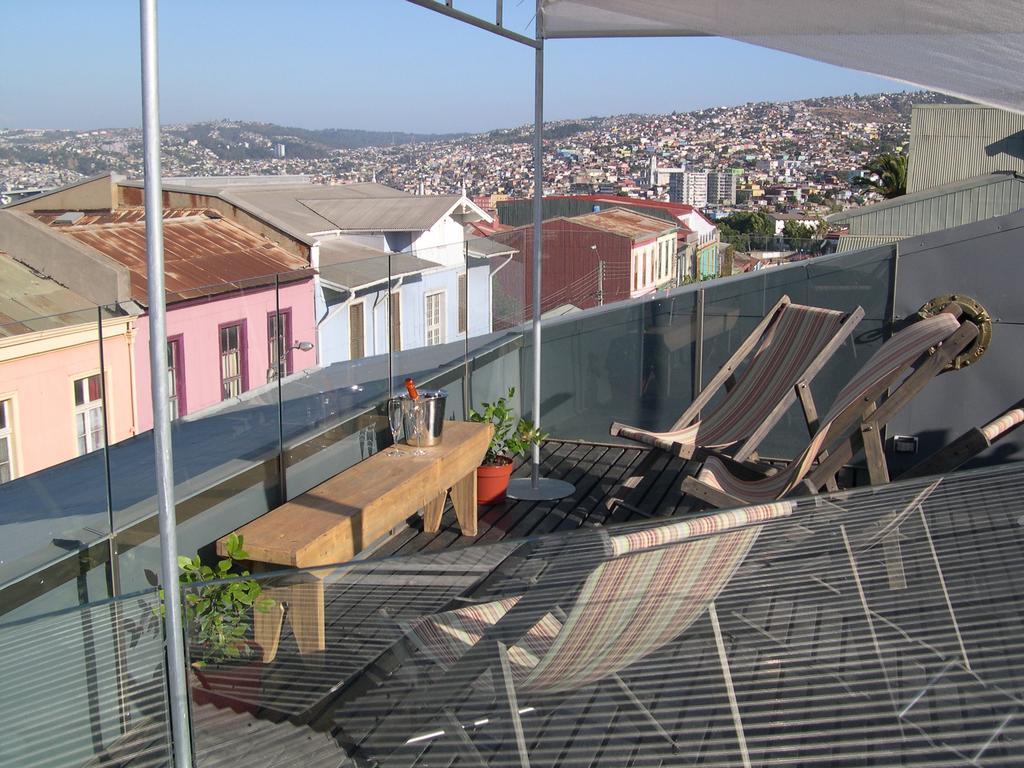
<point>797,230</point>
<point>888,175</point>
<point>750,223</point>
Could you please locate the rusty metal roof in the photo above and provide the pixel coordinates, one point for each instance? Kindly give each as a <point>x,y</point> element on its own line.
<point>204,254</point>
<point>619,221</point>
<point>30,302</point>
<point>120,216</point>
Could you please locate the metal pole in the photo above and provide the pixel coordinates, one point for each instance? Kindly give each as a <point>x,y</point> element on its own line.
<point>536,489</point>
<point>538,227</point>
<point>282,470</point>
<point>177,684</point>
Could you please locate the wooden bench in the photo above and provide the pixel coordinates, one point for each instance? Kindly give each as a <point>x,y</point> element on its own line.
<point>337,519</point>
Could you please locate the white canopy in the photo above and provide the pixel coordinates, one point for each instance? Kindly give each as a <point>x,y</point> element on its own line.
<point>973,49</point>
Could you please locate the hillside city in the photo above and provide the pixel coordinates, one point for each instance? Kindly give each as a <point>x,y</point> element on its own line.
<point>795,156</point>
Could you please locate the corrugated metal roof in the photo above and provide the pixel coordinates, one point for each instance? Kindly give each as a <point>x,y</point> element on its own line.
<point>279,204</point>
<point>951,205</point>
<point>30,302</point>
<point>953,142</point>
<point>619,221</point>
<point>204,254</point>
<point>120,216</point>
<point>859,242</point>
<point>353,265</point>
<point>382,214</point>
<point>485,247</point>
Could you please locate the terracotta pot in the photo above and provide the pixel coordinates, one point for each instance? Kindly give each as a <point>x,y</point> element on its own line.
<point>236,685</point>
<point>492,482</point>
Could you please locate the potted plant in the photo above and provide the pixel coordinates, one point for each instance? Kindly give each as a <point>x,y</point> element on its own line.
<point>226,663</point>
<point>511,438</point>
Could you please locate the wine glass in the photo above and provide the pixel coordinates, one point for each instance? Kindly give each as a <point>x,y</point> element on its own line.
<point>395,422</point>
<point>419,426</point>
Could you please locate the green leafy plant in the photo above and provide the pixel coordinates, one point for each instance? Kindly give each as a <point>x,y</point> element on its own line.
<point>511,437</point>
<point>217,615</point>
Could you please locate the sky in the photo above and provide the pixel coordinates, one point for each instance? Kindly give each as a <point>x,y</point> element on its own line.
<point>370,64</point>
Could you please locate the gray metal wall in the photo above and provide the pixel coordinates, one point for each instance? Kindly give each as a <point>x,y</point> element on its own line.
<point>966,205</point>
<point>954,142</point>
<point>984,261</point>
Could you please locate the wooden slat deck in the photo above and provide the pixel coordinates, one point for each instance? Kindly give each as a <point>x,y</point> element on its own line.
<point>363,608</point>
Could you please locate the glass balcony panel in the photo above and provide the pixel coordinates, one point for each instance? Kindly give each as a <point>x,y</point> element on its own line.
<point>490,651</point>
<point>497,348</point>
<point>442,294</point>
<point>85,686</point>
<point>54,427</point>
<point>332,416</point>
<point>225,429</point>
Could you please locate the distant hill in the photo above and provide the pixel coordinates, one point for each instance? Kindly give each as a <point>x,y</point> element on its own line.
<point>239,140</point>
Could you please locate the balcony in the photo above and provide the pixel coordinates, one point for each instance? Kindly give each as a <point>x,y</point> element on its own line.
<point>806,654</point>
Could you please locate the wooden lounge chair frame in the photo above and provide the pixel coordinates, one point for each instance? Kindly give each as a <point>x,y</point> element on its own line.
<point>858,426</point>
<point>737,529</point>
<point>968,445</point>
<point>725,379</point>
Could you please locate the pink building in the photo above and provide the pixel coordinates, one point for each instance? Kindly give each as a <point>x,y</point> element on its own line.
<point>51,404</point>
<point>225,315</point>
<point>221,347</point>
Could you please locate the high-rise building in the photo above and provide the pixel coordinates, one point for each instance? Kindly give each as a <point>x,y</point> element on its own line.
<point>689,187</point>
<point>721,188</point>
<point>658,177</point>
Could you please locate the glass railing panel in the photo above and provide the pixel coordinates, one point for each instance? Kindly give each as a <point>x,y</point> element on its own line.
<point>85,687</point>
<point>225,419</point>
<point>620,644</point>
<point>332,414</point>
<point>435,317</point>
<point>495,348</point>
<point>54,427</point>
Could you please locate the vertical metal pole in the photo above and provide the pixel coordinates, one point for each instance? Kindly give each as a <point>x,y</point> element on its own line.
<point>538,489</point>
<point>538,229</point>
<point>698,350</point>
<point>282,474</point>
<point>177,686</point>
<point>466,384</point>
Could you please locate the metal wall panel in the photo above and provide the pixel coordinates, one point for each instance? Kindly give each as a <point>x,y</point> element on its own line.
<point>982,261</point>
<point>953,142</point>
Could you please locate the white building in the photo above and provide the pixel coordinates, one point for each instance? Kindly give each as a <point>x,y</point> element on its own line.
<point>689,187</point>
<point>383,257</point>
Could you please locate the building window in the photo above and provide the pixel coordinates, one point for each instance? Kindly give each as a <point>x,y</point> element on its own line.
<point>175,379</point>
<point>435,318</point>
<point>356,332</point>
<point>463,302</point>
<point>88,414</point>
<point>279,352</point>
<point>6,442</point>
<point>395,320</point>
<point>232,360</point>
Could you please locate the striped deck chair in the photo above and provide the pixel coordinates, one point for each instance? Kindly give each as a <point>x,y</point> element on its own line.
<point>651,586</point>
<point>790,345</point>
<point>787,349</point>
<point>723,484</point>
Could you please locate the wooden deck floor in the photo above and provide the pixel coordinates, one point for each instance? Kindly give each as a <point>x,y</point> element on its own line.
<point>796,691</point>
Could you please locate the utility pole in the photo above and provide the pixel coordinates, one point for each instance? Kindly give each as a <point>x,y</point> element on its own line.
<point>600,283</point>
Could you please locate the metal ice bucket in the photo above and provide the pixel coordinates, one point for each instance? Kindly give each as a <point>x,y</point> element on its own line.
<point>431,402</point>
